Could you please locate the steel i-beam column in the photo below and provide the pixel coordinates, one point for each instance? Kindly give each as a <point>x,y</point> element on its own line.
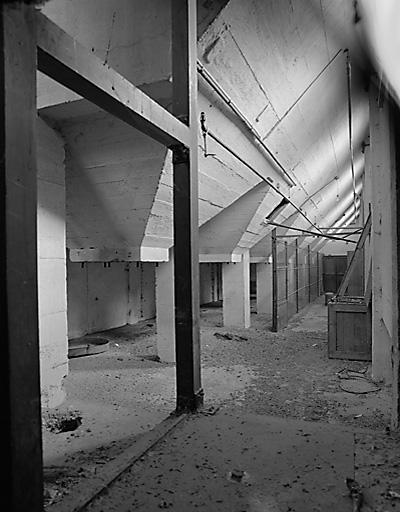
<point>395,118</point>
<point>274,283</point>
<point>185,181</point>
<point>22,445</point>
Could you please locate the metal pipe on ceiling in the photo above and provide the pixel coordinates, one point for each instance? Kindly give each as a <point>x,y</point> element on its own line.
<point>202,71</point>
<point>268,180</point>
<point>350,116</point>
<point>312,233</point>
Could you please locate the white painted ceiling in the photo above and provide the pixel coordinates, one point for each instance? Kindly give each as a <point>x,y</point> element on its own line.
<point>268,57</point>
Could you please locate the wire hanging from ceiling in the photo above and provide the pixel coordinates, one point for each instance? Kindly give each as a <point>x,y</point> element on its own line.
<point>350,117</point>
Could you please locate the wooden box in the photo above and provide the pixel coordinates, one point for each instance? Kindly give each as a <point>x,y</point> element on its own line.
<point>349,329</point>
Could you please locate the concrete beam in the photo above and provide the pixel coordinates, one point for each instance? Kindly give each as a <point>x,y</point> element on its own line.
<point>220,258</point>
<point>141,253</point>
<point>65,60</point>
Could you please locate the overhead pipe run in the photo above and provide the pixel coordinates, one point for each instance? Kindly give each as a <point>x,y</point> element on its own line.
<point>206,132</point>
<point>228,101</point>
<point>306,231</point>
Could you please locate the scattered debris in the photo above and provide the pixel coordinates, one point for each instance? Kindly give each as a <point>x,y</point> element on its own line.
<point>210,411</point>
<point>51,494</point>
<point>152,357</point>
<point>236,475</point>
<point>352,374</point>
<point>392,495</point>
<point>355,494</point>
<point>223,336</point>
<point>164,504</point>
<point>58,422</point>
<point>229,336</point>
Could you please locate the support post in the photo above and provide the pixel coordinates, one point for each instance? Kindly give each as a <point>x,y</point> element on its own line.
<point>309,271</point>
<point>297,273</point>
<point>286,276</point>
<point>264,288</point>
<point>185,183</point>
<point>21,415</point>
<point>274,282</point>
<point>165,310</point>
<point>383,236</point>
<point>395,423</point>
<point>236,292</point>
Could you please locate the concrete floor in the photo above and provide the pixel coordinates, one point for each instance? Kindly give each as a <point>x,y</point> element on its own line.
<point>272,390</point>
<point>287,465</point>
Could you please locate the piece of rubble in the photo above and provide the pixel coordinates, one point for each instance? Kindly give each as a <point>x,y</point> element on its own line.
<point>392,495</point>
<point>223,336</point>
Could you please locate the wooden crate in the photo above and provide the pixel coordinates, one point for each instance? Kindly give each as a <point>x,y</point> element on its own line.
<point>349,329</point>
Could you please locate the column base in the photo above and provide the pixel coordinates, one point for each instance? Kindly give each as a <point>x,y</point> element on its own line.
<point>190,404</point>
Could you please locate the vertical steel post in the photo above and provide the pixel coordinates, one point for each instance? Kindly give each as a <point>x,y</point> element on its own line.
<point>185,182</point>
<point>309,271</point>
<point>297,274</point>
<point>20,386</point>
<point>286,281</point>
<point>274,283</point>
<point>395,123</point>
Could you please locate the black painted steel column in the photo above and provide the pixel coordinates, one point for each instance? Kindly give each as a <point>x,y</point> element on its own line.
<point>274,282</point>
<point>185,180</point>
<point>395,118</point>
<point>20,386</point>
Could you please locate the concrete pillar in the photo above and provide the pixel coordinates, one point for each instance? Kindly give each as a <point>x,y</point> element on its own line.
<point>165,310</point>
<point>134,292</point>
<point>52,280</point>
<point>236,292</point>
<point>264,288</point>
<point>382,237</point>
<point>206,283</point>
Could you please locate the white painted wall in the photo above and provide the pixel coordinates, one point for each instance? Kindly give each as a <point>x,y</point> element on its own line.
<point>51,264</point>
<point>106,295</point>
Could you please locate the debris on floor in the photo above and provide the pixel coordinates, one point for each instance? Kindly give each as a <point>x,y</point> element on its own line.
<point>209,411</point>
<point>58,422</point>
<point>393,495</point>
<point>229,336</point>
<point>237,475</point>
<point>286,375</point>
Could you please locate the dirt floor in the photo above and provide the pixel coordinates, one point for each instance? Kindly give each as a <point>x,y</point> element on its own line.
<point>252,374</point>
